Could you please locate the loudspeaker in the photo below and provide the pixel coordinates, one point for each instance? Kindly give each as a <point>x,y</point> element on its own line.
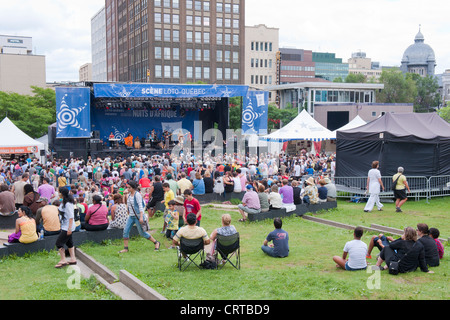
<point>42,153</point>
<point>96,135</point>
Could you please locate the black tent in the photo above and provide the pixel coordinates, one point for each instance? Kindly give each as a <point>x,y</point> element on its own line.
<point>419,142</point>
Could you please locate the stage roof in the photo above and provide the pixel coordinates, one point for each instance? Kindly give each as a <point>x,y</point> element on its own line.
<point>147,90</point>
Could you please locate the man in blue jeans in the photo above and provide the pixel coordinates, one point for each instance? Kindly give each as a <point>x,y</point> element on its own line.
<point>280,239</point>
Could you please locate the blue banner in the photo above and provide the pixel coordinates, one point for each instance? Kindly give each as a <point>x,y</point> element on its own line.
<point>73,113</point>
<point>115,90</point>
<point>255,113</point>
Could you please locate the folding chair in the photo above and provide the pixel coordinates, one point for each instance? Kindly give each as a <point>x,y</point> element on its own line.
<point>188,251</point>
<point>228,247</point>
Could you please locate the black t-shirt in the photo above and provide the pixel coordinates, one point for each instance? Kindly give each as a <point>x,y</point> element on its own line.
<point>297,199</point>
<point>209,184</point>
<point>431,251</point>
<point>158,192</point>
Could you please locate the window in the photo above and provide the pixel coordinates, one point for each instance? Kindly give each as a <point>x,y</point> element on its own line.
<point>235,39</point>
<point>167,35</point>
<point>206,37</point>
<point>189,20</point>
<point>206,55</point>
<point>219,23</point>
<point>167,53</point>
<point>157,52</point>
<point>235,8</point>
<point>167,18</point>
<point>206,72</point>
<point>176,4</point>
<point>236,24</point>
<point>227,39</point>
<point>189,36</point>
<point>219,7</point>
<point>157,17</point>
<point>176,54</point>
<point>219,73</point>
<point>188,4</point>
<point>198,55</point>
<point>198,5</point>
<point>167,73</point>
<point>198,37</point>
<point>157,3</point>
<point>206,6</point>
<point>176,72</point>
<point>227,74</point>
<point>227,56</point>
<point>158,71</point>
<point>176,19</point>
<point>198,21</point>
<point>227,23</point>
<point>219,56</point>
<point>206,21</point>
<point>157,34</point>
<point>227,8</point>
<point>166,3</point>
<point>219,38</point>
<point>176,35</point>
<point>198,72</point>
<point>236,57</point>
<point>235,74</point>
<point>190,72</point>
<point>189,54</point>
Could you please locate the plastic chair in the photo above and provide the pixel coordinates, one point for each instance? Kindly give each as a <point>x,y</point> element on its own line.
<point>229,248</point>
<point>188,252</point>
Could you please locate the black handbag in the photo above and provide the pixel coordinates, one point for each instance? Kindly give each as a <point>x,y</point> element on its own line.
<point>395,183</point>
<point>394,265</point>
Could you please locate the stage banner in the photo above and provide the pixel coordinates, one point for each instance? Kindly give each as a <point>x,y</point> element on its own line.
<point>144,90</point>
<point>140,123</point>
<point>73,113</point>
<point>255,112</point>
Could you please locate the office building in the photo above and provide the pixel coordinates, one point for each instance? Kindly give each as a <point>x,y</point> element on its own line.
<point>360,64</point>
<point>261,47</point>
<point>175,41</point>
<point>296,65</point>
<point>98,46</point>
<point>329,67</point>
<point>85,72</point>
<point>19,67</point>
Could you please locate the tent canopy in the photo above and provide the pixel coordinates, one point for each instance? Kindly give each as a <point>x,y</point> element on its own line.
<point>406,127</point>
<point>355,123</point>
<point>418,142</point>
<point>303,127</point>
<point>13,140</point>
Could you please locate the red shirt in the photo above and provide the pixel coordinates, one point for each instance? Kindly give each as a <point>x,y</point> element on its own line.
<point>192,206</point>
<point>144,182</point>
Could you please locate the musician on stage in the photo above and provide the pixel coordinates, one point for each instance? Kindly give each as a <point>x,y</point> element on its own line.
<point>137,143</point>
<point>111,139</point>
<point>129,141</point>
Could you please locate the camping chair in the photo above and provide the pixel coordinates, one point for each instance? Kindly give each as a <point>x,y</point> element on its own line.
<point>228,247</point>
<point>188,251</point>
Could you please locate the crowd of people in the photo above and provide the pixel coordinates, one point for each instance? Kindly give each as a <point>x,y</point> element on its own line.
<point>65,196</point>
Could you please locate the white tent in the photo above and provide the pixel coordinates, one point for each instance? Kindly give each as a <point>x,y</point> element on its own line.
<point>15,141</point>
<point>303,127</point>
<point>355,123</point>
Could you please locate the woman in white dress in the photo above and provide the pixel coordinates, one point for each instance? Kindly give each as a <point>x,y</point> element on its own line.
<point>218,183</point>
<point>374,184</point>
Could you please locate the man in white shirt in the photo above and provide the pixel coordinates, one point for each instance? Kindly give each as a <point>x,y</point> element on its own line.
<point>357,251</point>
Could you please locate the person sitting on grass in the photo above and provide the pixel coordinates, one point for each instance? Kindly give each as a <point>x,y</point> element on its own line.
<point>280,238</point>
<point>356,250</point>
<point>434,233</point>
<point>380,242</point>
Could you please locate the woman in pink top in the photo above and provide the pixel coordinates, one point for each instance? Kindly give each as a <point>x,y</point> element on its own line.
<point>97,216</point>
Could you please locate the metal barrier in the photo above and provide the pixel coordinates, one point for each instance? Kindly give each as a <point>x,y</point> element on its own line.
<point>438,186</point>
<point>421,187</point>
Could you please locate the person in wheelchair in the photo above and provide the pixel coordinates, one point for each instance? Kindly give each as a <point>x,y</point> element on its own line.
<point>226,230</point>
<point>191,231</point>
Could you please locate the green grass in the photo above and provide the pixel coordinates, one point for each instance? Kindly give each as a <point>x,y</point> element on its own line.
<point>309,272</point>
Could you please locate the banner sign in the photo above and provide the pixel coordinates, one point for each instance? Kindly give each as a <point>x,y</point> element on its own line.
<point>19,150</point>
<point>73,113</point>
<point>140,123</point>
<point>255,113</point>
<point>114,90</point>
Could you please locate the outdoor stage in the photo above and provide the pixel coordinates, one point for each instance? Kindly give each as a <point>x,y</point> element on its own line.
<point>89,116</point>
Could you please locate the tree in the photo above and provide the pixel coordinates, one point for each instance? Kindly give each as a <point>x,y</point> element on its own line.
<point>235,110</point>
<point>428,97</point>
<point>445,112</point>
<point>398,88</point>
<point>31,114</point>
<point>355,78</point>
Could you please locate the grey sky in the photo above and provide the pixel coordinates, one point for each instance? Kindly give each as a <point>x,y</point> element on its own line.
<point>381,28</point>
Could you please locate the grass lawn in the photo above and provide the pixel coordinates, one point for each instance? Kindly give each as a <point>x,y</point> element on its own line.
<point>309,272</point>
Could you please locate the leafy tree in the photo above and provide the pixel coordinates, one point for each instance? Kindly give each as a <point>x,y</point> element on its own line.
<point>428,97</point>
<point>445,112</point>
<point>398,88</point>
<point>31,114</point>
<point>235,109</point>
<point>355,78</point>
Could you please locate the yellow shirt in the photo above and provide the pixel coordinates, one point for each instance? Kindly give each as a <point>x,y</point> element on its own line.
<point>401,182</point>
<point>28,231</point>
<point>184,184</point>
<point>168,196</point>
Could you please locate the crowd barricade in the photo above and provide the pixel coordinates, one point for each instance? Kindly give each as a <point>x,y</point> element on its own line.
<point>439,186</point>
<point>421,187</point>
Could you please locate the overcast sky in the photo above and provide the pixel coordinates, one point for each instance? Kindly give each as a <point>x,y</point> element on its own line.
<point>382,28</point>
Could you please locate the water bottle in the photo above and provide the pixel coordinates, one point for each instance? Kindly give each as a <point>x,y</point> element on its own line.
<point>41,235</point>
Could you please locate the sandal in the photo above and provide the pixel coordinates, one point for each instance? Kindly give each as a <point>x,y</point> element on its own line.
<point>157,243</point>
<point>242,220</point>
<point>72,263</point>
<point>61,265</point>
<point>125,250</point>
